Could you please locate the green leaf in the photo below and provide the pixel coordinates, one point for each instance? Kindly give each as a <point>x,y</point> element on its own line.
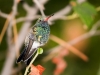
<point>40,50</point>
<point>89,8</point>
<point>86,12</point>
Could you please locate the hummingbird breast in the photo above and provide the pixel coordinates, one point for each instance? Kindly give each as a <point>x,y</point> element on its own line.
<point>42,32</point>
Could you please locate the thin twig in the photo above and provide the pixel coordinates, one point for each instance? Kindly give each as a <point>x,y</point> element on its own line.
<point>15,32</point>
<point>27,68</point>
<point>23,31</point>
<point>73,16</point>
<point>4,29</point>
<point>92,32</point>
<point>40,6</point>
<point>95,26</point>
<point>3,15</point>
<point>9,63</point>
<point>15,38</point>
<point>69,47</point>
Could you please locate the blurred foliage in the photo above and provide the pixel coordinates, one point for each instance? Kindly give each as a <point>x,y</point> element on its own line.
<point>85,11</point>
<point>75,66</point>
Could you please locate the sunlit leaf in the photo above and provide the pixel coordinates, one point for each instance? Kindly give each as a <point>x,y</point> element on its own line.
<point>86,12</point>
<point>60,62</point>
<point>60,65</point>
<point>36,70</point>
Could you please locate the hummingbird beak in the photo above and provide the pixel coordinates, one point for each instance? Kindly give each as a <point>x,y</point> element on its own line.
<point>48,17</point>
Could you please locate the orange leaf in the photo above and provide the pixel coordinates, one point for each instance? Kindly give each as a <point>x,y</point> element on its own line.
<point>60,65</point>
<point>40,68</point>
<point>60,62</point>
<point>36,70</point>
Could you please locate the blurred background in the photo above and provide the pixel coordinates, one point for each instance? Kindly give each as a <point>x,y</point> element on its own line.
<point>76,22</point>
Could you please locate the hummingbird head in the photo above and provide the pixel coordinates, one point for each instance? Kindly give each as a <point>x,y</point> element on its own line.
<point>42,19</point>
<point>41,29</point>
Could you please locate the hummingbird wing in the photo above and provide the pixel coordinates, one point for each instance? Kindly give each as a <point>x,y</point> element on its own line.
<point>22,54</point>
<point>25,51</point>
<point>29,56</point>
<point>28,49</point>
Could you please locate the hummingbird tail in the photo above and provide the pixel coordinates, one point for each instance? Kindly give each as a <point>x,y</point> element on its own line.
<point>26,52</point>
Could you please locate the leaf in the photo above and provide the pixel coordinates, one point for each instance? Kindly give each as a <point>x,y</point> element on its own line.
<point>40,68</point>
<point>60,62</point>
<point>40,50</point>
<point>36,70</point>
<point>86,12</point>
<point>90,8</point>
<point>60,65</point>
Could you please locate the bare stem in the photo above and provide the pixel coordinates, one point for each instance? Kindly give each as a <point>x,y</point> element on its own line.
<point>4,30</point>
<point>40,6</point>
<point>27,68</point>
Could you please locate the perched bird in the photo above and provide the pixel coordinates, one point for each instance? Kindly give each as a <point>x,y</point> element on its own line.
<point>37,36</point>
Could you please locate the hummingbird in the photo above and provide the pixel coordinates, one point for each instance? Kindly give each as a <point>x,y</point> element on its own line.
<point>37,36</point>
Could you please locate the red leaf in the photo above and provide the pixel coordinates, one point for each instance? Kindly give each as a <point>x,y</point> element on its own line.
<point>60,65</point>
<point>40,68</point>
<point>36,70</point>
<point>60,62</point>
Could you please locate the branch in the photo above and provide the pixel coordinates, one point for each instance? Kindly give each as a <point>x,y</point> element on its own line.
<point>69,47</point>
<point>40,6</point>
<point>4,30</point>
<point>27,68</point>
<point>26,25</point>
<point>3,15</point>
<point>92,32</point>
<point>61,14</point>
<point>12,52</point>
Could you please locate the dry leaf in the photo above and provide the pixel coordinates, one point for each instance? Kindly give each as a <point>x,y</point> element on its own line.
<point>60,62</point>
<point>36,70</point>
<point>60,65</point>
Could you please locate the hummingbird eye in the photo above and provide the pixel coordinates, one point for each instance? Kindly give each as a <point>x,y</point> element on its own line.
<point>40,20</point>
